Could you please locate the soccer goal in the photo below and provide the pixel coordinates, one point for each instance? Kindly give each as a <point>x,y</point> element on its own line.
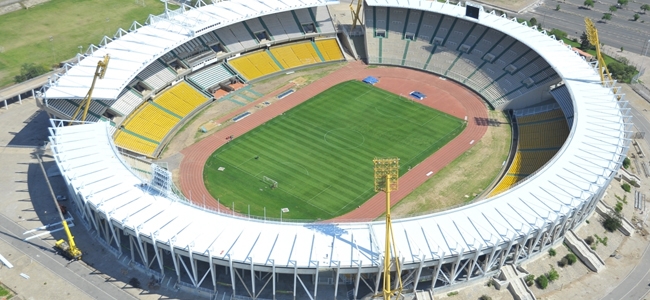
<point>271,182</point>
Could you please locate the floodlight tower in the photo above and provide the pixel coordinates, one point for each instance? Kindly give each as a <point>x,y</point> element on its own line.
<point>592,36</point>
<point>386,174</point>
<point>355,13</point>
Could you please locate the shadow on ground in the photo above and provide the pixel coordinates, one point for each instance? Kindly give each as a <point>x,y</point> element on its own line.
<point>35,131</point>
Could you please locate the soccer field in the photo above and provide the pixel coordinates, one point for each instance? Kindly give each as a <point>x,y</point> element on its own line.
<point>320,152</point>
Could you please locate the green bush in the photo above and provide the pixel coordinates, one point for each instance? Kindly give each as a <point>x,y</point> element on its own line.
<point>619,207</point>
<point>622,72</point>
<point>454,293</point>
<point>530,280</point>
<point>29,71</point>
<point>563,262</point>
<point>485,297</point>
<point>612,223</point>
<point>542,281</point>
<point>589,240</point>
<point>571,258</point>
<point>552,275</point>
<point>626,187</point>
<point>626,162</point>
<point>551,252</point>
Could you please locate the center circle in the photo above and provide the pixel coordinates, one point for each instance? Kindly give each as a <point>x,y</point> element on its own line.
<point>344,138</point>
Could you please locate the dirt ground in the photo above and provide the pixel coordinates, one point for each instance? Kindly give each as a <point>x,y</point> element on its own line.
<point>459,182</point>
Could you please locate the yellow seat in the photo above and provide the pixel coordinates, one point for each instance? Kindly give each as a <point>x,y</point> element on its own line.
<point>254,65</point>
<point>135,144</point>
<point>330,50</point>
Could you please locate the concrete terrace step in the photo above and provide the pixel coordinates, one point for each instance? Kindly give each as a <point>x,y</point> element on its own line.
<point>589,257</point>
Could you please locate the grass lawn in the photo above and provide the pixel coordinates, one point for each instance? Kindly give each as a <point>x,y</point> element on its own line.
<point>52,32</point>
<point>321,152</point>
<point>608,59</point>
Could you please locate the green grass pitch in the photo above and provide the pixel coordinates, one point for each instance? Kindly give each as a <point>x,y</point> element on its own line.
<point>320,152</point>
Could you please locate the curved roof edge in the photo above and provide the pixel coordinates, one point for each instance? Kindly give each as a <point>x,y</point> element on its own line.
<point>133,51</point>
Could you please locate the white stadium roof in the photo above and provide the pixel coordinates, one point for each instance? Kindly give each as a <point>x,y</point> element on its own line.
<point>582,167</point>
<point>133,51</point>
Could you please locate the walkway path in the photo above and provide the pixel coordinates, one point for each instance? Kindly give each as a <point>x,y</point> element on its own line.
<point>444,95</point>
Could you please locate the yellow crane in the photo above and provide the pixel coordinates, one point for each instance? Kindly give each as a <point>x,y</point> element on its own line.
<point>386,174</point>
<point>355,13</point>
<point>592,36</point>
<point>68,248</point>
<point>100,71</point>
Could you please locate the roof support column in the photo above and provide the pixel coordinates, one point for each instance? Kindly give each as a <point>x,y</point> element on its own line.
<point>356,280</point>
<point>418,273</point>
<point>175,260</point>
<point>20,99</point>
<point>273,274</point>
<point>454,267</point>
<point>490,259</point>
<point>437,271</point>
<point>212,270</point>
<point>378,277</point>
<point>232,274</point>
<point>158,256</point>
<point>5,100</point>
<point>336,279</point>
<point>195,277</point>
<point>252,277</point>
<point>131,247</point>
<point>504,254</point>
<point>316,280</point>
<point>474,262</point>
<point>115,236</point>
<point>142,252</point>
<point>295,275</point>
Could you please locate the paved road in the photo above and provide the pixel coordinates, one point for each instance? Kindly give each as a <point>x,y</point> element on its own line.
<point>636,284</point>
<point>75,273</point>
<point>621,31</point>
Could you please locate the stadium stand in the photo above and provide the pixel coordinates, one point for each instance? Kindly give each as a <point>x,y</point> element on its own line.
<point>265,62</point>
<point>211,76</point>
<point>157,75</point>
<point>181,99</point>
<point>496,66</point>
<point>146,128</point>
<point>67,107</point>
<point>127,102</point>
<point>563,98</point>
<point>254,65</point>
<point>540,136</point>
<point>329,48</point>
<point>295,55</point>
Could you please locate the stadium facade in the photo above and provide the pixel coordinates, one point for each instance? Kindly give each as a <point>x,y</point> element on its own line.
<point>145,222</point>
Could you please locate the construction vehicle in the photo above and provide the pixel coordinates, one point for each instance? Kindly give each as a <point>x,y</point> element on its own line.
<point>67,248</point>
<point>100,71</point>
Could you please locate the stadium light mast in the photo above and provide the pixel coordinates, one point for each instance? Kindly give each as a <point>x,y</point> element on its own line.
<point>592,36</point>
<point>386,174</point>
<point>355,13</point>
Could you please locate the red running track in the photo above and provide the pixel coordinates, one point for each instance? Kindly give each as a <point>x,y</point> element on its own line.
<point>443,95</point>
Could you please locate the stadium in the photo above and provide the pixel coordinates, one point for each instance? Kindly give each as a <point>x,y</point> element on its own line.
<point>573,135</point>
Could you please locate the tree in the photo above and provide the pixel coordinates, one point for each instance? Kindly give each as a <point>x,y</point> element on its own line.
<point>584,42</point>
<point>622,72</point>
<point>622,48</point>
<point>571,258</point>
<point>551,252</point>
<point>589,3</point>
<point>612,222</point>
<point>29,71</point>
<point>636,17</point>
<point>533,21</point>
<point>645,7</point>
<point>626,162</point>
<point>613,8</point>
<point>542,281</point>
<point>557,7</point>
<point>606,16</point>
<point>622,2</point>
<point>552,275</point>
